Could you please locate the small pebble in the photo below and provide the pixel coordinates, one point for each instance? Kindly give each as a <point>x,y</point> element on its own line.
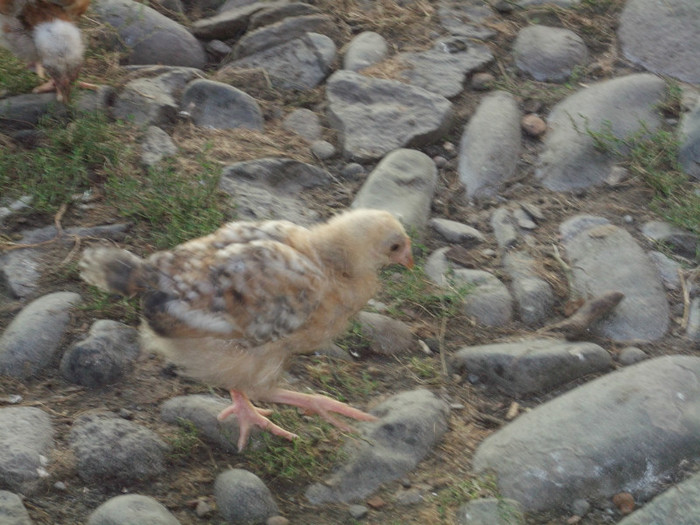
<point>440,161</point>
<point>203,509</point>
<point>376,502</point>
<point>580,507</point>
<point>59,485</point>
<point>624,501</point>
<point>631,355</point>
<point>277,520</point>
<point>323,149</point>
<point>482,81</point>
<point>533,125</point>
<point>358,511</point>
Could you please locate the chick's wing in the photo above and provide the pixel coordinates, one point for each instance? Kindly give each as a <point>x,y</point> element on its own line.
<point>245,286</point>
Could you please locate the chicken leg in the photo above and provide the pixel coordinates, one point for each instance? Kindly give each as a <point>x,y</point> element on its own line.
<point>249,415</point>
<point>321,405</point>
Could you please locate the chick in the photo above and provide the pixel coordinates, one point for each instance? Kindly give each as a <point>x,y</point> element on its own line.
<point>232,307</point>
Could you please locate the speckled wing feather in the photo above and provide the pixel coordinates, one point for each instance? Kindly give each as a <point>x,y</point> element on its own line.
<point>244,282</point>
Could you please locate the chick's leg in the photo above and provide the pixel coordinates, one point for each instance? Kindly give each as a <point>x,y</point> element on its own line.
<point>321,405</point>
<point>248,416</point>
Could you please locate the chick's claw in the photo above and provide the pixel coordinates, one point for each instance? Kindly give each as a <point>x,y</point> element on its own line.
<point>249,416</point>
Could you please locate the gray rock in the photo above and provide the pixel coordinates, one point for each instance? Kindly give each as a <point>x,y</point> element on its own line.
<point>386,336</point>
<point>131,509</point>
<point>94,100</point>
<point>12,511</point>
<point>403,183</point>
<point>147,36</point>
<point>410,425</point>
<point>22,269</point>
<point>606,258</point>
<point>358,512</point>
<point>681,241</point>
<point>549,54</point>
<point>216,105</point>
<point>530,366</point>
<point>365,49</point>
<point>668,270</point>
<point>689,136</point>
<point>693,330</point>
<point>304,123</point>
<point>487,299</point>
<point>631,355</point>
<point>457,232</point>
<point>275,35</point>
<point>491,511</point>
<point>443,68</point>
<point>570,159</point>
<point>115,451</point>
<point>533,295</point>
<point>301,63</point>
<point>156,146</point>
<point>33,337</point>
<point>677,506</point>
<point>545,461</point>
<point>374,117</point>
<point>23,112</point>
<point>243,498</point>
<point>277,11</point>
<point>218,50</point>
<point>13,207</point>
<point>323,150</point>
<point>272,188</point>
<point>465,18</point>
<point>26,438</point>
<point>201,411</point>
<point>650,32</point>
<point>504,229</point>
<point>228,24</point>
<point>152,100</point>
<point>490,145</point>
<point>103,356</point>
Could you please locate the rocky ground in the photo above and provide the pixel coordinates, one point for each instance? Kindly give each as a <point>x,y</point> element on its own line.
<point>538,366</point>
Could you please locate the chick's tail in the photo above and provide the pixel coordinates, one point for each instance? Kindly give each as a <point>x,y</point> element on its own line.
<point>115,270</point>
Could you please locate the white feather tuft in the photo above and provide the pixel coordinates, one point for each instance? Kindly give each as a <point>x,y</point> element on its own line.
<point>59,45</point>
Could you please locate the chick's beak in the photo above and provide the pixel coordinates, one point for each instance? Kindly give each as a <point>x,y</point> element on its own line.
<point>405,256</point>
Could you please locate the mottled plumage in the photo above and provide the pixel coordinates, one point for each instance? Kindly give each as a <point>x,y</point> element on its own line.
<point>230,308</point>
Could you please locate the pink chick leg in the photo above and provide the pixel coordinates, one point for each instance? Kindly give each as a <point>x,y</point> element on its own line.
<point>248,416</point>
<point>321,405</point>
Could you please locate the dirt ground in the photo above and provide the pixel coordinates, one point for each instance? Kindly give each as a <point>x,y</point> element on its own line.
<point>444,476</point>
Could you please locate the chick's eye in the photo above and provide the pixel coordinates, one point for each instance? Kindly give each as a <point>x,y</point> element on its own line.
<point>395,247</point>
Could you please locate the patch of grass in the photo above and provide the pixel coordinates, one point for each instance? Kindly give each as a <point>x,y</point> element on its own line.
<point>16,78</point>
<point>653,157</point>
<point>176,205</point>
<point>426,369</point>
<point>308,457</point>
<point>183,444</point>
<point>340,379</point>
<point>411,289</point>
<point>73,156</point>
<point>103,305</point>
<point>465,490</point>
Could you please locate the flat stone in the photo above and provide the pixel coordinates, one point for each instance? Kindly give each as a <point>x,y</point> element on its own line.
<point>606,258</point>
<point>365,49</point>
<point>650,32</point>
<point>569,159</point>
<point>403,183</point>
<point>549,54</point>
<point>147,36</point>
<point>33,337</point>
<point>374,116</point>
<point>491,511</point>
<point>26,438</point>
<point>410,425</point>
<point>490,145</point>
<point>242,497</point>
<point>12,511</point>
<point>217,105</point>
<point>531,366</point>
<point>131,508</point>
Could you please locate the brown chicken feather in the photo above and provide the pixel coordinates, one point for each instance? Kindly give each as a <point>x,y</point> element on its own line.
<point>230,308</point>
<point>44,34</point>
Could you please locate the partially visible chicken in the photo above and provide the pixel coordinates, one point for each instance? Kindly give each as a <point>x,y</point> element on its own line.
<point>44,34</point>
<point>231,308</point>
